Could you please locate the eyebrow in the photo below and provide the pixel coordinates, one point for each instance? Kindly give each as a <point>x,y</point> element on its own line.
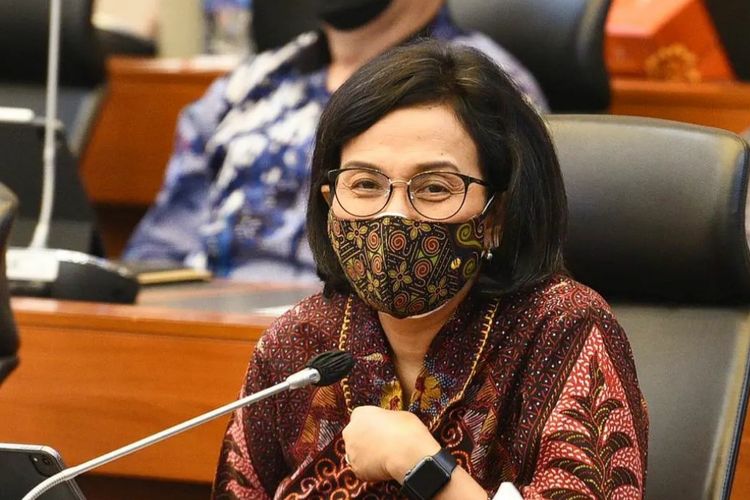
<point>420,167</point>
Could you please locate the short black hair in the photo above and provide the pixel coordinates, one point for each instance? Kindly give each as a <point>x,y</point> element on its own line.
<point>516,154</point>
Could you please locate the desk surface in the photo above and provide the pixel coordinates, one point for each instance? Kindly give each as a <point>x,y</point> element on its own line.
<point>715,104</point>
<point>94,377</point>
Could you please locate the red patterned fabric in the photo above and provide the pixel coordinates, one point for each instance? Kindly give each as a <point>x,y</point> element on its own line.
<point>550,400</point>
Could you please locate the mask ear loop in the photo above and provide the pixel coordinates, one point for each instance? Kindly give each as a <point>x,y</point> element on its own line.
<point>496,235</point>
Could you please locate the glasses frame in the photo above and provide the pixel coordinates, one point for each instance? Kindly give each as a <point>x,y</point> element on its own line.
<point>468,180</point>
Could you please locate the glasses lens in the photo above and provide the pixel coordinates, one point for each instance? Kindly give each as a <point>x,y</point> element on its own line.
<point>437,195</point>
<point>361,192</point>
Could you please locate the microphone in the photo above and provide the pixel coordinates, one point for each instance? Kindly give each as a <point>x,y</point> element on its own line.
<point>323,369</point>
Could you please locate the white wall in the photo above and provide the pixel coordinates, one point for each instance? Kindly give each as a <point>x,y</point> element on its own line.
<point>177,26</point>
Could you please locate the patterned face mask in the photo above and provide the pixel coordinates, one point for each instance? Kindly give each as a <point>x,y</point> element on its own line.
<point>405,267</point>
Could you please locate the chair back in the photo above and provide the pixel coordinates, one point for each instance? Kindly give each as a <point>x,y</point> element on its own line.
<point>657,226</point>
<point>560,41</point>
<point>8,334</point>
<point>24,35</point>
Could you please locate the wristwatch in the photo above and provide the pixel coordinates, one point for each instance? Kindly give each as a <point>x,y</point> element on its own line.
<point>429,476</point>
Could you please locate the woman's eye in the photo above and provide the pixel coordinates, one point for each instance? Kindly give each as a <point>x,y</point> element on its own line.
<point>366,185</point>
<point>432,191</point>
<point>436,189</point>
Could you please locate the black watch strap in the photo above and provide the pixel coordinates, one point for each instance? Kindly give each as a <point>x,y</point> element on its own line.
<point>429,476</point>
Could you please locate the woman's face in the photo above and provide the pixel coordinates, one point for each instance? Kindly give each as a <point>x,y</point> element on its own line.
<point>407,142</point>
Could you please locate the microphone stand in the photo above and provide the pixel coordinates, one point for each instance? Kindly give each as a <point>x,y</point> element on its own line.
<point>299,379</point>
<point>41,231</point>
<point>57,273</point>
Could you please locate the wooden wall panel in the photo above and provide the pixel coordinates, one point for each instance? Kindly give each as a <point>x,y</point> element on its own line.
<point>89,383</point>
<point>133,137</point>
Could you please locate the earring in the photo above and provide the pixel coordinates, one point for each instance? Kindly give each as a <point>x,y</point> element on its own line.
<point>487,255</point>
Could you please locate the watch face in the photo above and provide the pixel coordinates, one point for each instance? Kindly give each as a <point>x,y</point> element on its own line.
<point>426,479</point>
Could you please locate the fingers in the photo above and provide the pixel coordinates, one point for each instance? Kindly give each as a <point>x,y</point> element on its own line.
<point>360,455</point>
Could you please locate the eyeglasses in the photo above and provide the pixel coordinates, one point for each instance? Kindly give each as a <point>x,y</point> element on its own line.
<point>362,192</point>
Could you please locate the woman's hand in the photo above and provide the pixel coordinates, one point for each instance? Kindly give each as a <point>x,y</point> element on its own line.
<point>384,444</point>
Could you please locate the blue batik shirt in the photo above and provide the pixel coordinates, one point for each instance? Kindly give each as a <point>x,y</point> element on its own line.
<point>235,192</point>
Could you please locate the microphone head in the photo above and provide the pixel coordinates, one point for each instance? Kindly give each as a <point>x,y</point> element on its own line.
<point>332,366</point>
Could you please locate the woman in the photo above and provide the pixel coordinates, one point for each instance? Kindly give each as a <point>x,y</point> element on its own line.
<point>436,217</point>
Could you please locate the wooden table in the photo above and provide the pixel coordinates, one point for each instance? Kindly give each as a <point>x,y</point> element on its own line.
<point>715,104</point>
<point>94,377</point>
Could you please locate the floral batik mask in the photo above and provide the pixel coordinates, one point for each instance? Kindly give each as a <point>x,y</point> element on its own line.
<point>406,267</point>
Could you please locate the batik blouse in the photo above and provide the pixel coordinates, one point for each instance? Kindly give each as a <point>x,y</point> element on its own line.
<point>538,389</point>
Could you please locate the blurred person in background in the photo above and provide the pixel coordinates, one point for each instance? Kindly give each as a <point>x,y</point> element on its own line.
<point>234,195</point>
